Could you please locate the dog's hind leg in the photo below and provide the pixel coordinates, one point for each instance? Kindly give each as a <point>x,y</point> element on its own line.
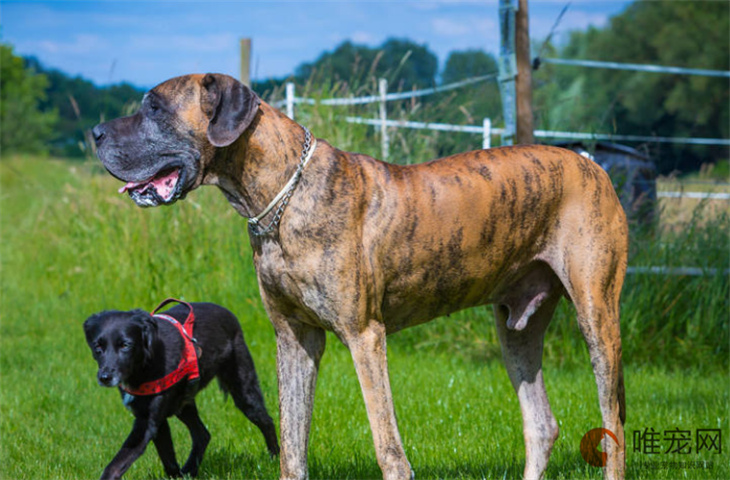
<point>522,353</point>
<point>599,323</point>
<point>199,435</point>
<point>166,451</point>
<point>594,284</point>
<point>239,379</point>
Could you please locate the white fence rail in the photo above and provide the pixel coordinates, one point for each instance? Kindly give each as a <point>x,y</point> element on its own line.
<point>678,271</point>
<point>485,129</point>
<point>291,99</point>
<point>542,133</point>
<point>637,67</point>
<point>697,195</point>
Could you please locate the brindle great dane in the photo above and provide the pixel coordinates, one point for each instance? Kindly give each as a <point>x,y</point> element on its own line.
<point>364,248</point>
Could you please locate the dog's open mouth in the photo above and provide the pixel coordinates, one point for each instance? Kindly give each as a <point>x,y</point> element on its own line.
<point>163,188</point>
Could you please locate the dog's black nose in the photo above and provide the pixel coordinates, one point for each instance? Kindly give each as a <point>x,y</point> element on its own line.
<point>105,378</point>
<point>98,132</point>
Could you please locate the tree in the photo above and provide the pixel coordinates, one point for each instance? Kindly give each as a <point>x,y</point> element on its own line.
<point>474,102</point>
<point>461,65</point>
<point>407,64</point>
<point>684,34</point>
<point>404,63</point>
<point>24,127</point>
<point>81,105</point>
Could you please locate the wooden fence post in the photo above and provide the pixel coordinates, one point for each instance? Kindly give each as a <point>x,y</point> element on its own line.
<point>523,83</point>
<point>290,100</point>
<point>246,61</point>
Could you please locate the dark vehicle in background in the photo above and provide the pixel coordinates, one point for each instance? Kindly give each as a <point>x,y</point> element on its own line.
<point>632,172</point>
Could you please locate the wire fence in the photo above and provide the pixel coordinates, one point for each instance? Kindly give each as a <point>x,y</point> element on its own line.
<point>637,67</point>
<point>383,97</point>
<point>486,130</point>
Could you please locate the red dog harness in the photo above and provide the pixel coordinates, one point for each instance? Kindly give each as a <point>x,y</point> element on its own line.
<point>188,366</point>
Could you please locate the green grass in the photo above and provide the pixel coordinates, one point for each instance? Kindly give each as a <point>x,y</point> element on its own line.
<point>71,247</point>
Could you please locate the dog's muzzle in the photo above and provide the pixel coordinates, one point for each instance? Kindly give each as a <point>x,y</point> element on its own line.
<point>154,172</point>
<point>107,379</point>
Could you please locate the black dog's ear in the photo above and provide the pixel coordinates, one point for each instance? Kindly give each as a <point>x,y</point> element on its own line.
<point>92,326</point>
<point>230,105</point>
<point>149,333</point>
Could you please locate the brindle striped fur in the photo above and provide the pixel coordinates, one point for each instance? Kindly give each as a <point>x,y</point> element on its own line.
<point>367,248</point>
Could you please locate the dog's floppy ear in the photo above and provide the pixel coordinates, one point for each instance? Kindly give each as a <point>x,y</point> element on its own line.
<point>149,332</point>
<point>92,326</point>
<point>230,105</point>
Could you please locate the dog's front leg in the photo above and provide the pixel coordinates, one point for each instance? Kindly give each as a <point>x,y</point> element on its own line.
<point>134,446</point>
<point>299,348</point>
<point>166,451</point>
<point>368,351</point>
<point>198,434</point>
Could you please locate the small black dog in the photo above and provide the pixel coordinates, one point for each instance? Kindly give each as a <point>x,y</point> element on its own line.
<point>159,369</point>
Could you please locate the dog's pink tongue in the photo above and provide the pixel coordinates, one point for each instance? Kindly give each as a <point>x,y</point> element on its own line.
<point>165,184</point>
<point>130,186</point>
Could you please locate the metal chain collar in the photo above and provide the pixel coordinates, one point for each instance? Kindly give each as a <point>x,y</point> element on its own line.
<point>254,223</point>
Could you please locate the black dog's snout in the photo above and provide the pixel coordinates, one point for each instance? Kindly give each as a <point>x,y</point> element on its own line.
<point>105,378</point>
<point>98,132</point>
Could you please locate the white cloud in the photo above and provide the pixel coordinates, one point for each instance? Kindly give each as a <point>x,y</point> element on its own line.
<point>448,27</point>
<point>194,43</point>
<point>79,44</point>
<point>479,26</point>
<point>364,37</point>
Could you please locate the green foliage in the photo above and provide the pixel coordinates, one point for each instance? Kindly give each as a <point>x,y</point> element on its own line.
<point>404,63</point>
<point>23,126</point>
<point>466,64</point>
<point>81,105</point>
<point>469,105</point>
<point>684,34</point>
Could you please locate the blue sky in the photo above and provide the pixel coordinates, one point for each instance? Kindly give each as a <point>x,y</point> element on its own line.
<point>144,43</point>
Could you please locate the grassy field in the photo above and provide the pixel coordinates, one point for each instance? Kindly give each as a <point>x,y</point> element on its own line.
<point>71,247</point>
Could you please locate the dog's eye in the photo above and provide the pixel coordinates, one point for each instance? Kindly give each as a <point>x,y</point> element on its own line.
<point>126,346</point>
<point>98,350</point>
<point>153,108</point>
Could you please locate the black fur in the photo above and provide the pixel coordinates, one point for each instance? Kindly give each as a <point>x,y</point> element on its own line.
<point>133,347</point>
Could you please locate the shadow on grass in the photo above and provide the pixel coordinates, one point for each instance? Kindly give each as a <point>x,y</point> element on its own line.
<point>222,463</point>
<point>225,463</point>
